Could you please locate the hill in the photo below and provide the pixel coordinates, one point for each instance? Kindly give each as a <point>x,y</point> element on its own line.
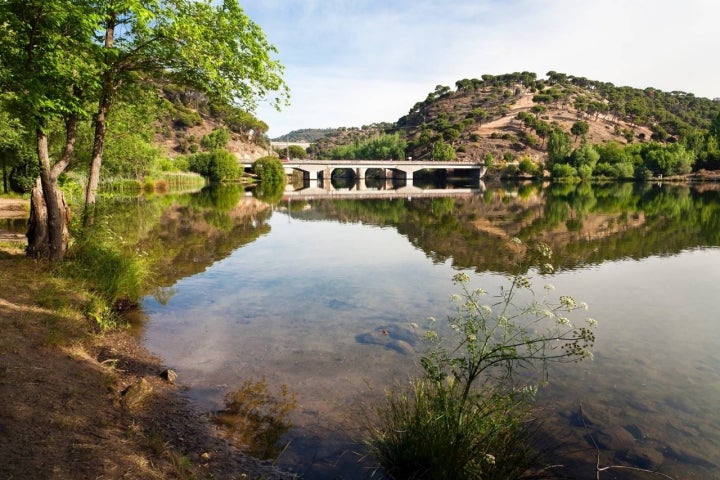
<point>511,116</point>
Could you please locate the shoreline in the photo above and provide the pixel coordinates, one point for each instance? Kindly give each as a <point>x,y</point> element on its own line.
<point>71,403</point>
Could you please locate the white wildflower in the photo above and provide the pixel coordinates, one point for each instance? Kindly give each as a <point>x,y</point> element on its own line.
<point>568,301</point>
<point>461,277</point>
<point>549,287</point>
<point>431,335</point>
<point>413,325</point>
<point>591,322</point>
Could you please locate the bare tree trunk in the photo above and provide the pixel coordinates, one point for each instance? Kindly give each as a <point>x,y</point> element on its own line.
<point>96,161</point>
<point>101,121</point>
<point>47,234</point>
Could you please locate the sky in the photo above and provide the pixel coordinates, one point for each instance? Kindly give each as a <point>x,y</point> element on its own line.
<point>350,63</point>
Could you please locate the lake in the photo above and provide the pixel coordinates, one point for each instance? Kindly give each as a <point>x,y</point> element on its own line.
<point>285,295</point>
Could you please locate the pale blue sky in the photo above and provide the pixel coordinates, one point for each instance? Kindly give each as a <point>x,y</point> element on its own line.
<point>352,63</point>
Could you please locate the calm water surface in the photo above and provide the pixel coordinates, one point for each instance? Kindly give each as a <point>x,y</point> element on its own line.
<point>289,303</point>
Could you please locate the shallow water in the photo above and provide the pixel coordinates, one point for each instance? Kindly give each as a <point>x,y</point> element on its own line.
<point>291,305</point>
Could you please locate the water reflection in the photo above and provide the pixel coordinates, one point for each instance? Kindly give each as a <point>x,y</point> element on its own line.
<point>286,294</point>
<point>255,419</point>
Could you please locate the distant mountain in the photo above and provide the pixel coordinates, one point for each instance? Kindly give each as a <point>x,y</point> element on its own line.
<point>305,135</point>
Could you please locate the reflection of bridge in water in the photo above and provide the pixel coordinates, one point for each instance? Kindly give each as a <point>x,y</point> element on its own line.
<point>317,189</point>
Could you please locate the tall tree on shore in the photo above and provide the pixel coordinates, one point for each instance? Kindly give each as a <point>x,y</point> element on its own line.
<point>47,69</point>
<point>212,47</point>
<point>59,57</point>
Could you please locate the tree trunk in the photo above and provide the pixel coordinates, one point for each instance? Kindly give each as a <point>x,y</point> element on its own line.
<point>101,120</point>
<point>48,234</point>
<point>98,146</point>
<point>5,175</point>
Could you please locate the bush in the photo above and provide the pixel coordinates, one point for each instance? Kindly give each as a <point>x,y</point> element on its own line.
<point>216,139</point>
<point>429,432</point>
<point>269,169</point>
<point>563,170</point>
<point>466,418</point>
<point>217,166</point>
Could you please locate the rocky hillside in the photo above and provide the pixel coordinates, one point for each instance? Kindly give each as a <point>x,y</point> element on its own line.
<point>510,116</point>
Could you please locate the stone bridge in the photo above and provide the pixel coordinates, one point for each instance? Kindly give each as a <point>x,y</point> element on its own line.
<point>398,170</point>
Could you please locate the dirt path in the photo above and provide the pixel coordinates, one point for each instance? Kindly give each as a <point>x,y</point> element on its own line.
<point>65,411</point>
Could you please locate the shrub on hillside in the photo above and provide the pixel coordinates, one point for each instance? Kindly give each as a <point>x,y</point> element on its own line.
<point>217,166</point>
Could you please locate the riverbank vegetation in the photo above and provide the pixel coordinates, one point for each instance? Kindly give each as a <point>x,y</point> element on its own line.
<point>62,89</point>
<point>469,415</point>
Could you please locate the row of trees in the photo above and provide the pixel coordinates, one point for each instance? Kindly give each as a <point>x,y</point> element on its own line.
<point>68,62</point>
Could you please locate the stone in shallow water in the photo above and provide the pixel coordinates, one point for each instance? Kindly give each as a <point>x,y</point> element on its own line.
<point>643,457</point>
<point>394,337</point>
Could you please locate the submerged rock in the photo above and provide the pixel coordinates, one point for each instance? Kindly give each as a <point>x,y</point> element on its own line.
<point>394,337</point>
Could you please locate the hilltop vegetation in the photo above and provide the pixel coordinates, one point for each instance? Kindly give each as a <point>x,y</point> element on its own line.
<point>570,126</point>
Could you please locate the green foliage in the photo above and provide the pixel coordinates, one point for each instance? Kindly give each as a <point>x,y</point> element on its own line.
<point>217,166</point>
<point>579,128</point>
<point>427,431</point>
<point>269,169</point>
<point>216,139</point>
<point>526,165</point>
<point>116,275</point>
<point>559,147</point>
<point>442,152</point>
<point>380,147</point>
<point>296,151</point>
<point>466,418</point>
<point>563,170</point>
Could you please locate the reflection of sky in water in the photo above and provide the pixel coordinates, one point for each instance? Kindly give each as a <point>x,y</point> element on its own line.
<point>289,305</point>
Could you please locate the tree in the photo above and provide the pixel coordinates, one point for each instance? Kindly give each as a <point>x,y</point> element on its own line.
<point>47,69</point>
<point>222,53</point>
<point>559,146</point>
<point>54,69</point>
<point>11,143</point>
<point>579,128</point>
<point>442,151</point>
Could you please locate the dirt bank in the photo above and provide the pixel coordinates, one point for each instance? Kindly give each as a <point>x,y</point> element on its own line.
<point>69,409</point>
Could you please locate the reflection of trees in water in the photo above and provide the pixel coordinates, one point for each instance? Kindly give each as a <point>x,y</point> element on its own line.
<point>585,223</point>
<point>181,235</point>
<point>255,420</point>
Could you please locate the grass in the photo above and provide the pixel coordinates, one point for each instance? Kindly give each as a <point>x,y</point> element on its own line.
<point>428,431</point>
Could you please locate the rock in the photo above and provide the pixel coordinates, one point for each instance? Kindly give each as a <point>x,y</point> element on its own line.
<point>616,439</point>
<point>394,337</point>
<point>643,457</point>
<point>136,393</point>
<point>169,376</point>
